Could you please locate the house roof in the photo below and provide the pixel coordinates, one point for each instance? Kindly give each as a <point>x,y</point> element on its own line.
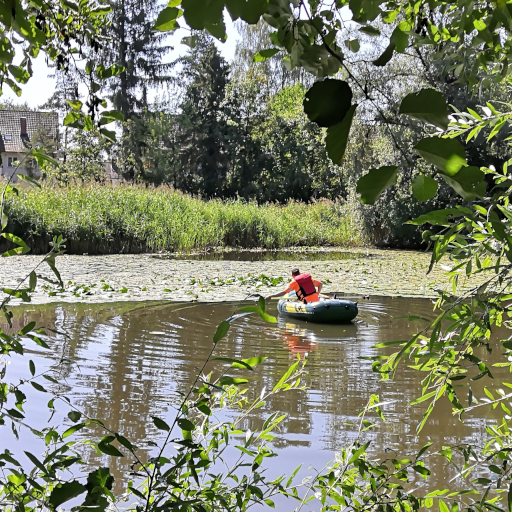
<point>10,124</point>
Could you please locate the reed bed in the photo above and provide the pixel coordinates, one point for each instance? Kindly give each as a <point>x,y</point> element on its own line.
<point>99,219</point>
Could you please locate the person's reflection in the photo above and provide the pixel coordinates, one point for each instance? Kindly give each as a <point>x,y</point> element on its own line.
<point>299,341</point>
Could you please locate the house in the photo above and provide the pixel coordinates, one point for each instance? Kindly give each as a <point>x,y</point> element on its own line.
<point>19,129</point>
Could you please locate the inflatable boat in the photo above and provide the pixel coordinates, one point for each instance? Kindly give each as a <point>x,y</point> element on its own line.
<point>328,311</point>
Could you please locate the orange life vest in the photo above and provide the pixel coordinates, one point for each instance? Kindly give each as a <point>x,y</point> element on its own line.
<point>306,286</point>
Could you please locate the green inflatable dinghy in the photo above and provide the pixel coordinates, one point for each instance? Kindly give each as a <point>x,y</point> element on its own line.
<point>328,311</point>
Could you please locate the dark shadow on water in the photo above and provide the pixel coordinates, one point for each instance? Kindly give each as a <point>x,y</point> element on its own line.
<point>278,255</point>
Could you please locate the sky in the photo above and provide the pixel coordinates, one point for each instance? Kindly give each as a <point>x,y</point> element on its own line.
<point>40,87</point>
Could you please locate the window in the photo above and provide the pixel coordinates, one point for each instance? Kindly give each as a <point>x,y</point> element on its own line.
<point>12,161</point>
<point>7,137</point>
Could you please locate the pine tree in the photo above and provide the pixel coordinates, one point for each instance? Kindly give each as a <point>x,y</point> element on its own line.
<point>140,50</point>
<point>204,133</point>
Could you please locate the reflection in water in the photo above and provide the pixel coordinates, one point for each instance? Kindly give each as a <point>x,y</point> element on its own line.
<point>132,360</point>
<point>277,255</point>
<point>300,341</point>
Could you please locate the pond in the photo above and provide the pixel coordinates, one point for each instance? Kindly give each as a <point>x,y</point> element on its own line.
<point>131,359</point>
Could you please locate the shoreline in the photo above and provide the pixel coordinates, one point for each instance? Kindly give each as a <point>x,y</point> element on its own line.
<point>144,277</point>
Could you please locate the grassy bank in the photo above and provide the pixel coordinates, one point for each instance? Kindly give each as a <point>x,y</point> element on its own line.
<point>126,219</point>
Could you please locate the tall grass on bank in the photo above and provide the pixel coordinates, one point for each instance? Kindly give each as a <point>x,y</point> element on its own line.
<point>130,219</point>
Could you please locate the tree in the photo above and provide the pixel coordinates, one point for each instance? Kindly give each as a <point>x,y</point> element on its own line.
<point>65,94</point>
<point>154,132</point>
<point>203,134</point>
<point>254,38</point>
<point>139,50</point>
<point>300,169</point>
<point>84,163</point>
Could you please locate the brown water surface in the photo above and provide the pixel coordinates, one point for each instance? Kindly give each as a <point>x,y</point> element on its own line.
<point>131,359</point>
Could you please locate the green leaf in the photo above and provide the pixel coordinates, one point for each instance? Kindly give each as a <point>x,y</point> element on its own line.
<point>36,462</point>
<point>424,472</point>
<point>328,102</point>
<point>41,157</point>
<point>509,498</point>
<point>74,416</point>
<point>424,449</point>
<point>20,74</point>
<point>32,281</point>
<point>28,179</point>
<point>242,363</point>
<point>427,105</point>
<point>32,367</point>
<point>109,134</point>
<point>285,376</point>
<point>358,452</point>
<point>469,182</point>
<point>108,449</point>
<point>14,239</point>
<point>113,114</point>
<point>222,330</point>
<point>443,507</point>
<point>72,117</point>
<point>160,424</point>
<point>190,41</point>
<point>50,260</point>
<point>264,55</point>
<point>122,440</point>
<point>423,398</point>
<point>166,19</point>
<point>66,491</point>
<point>256,309</point>
<point>75,104</point>
<point>371,31</point>
<point>101,10</point>
<point>185,424</point>
<point>371,185</point>
<point>73,429</point>
<point>250,10</point>
<point>337,137</point>
<point>424,187</point>
<point>201,14</point>
<point>37,386</point>
<point>228,381</point>
<point>352,45</point>
<point>217,30</point>
<point>437,217</point>
<point>397,42</point>
<point>492,506</point>
<point>249,363</point>
<point>446,154</point>
<point>27,328</point>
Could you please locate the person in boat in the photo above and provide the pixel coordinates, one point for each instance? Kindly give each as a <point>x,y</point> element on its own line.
<point>306,288</point>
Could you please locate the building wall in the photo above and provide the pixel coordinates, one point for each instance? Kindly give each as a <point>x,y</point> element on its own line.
<point>6,170</point>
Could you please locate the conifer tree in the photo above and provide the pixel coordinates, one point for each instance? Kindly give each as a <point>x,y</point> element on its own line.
<point>140,50</point>
<point>204,133</point>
